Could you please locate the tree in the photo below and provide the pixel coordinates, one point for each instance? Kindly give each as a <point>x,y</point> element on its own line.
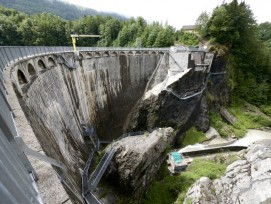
<point>8,31</point>
<point>201,23</point>
<point>265,33</point>
<point>233,25</point>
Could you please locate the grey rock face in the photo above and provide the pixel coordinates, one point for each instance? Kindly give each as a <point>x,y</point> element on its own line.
<point>203,120</point>
<point>245,181</point>
<point>138,159</point>
<point>165,109</point>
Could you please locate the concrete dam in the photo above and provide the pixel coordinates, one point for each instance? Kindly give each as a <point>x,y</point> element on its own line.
<point>53,95</point>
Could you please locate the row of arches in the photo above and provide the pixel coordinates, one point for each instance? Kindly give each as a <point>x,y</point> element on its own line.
<point>31,71</point>
<point>89,55</point>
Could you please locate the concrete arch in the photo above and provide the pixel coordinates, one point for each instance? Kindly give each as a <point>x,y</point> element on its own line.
<point>130,53</point>
<point>31,70</point>
<point>41,64</point>
<point>105,54</point>
<point>21,77</point>
<point>146,52</point>
<point>138,53</point>
<point>122,53</point>
<point>51,62</point>
<point>97,54</point>
<point>81,56</point>
<point>89,55</point>
<point>161,53</point>
<point>153,53</point>
<point>114,54</point>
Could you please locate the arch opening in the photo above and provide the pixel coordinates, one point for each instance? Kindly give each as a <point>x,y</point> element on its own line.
<point>51,62</point>
<point>97,54</point>
<point>88,55</point>
<point>105,54</point>
<point>41,64</point>
<point>21,77</point>
<point>31,70</point>
<point>114,54</point>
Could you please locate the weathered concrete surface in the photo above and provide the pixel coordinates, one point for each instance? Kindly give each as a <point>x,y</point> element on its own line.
<point>55,99</point>
<point>49,185</point>
<point>245,181</point>
<point>138,159</point>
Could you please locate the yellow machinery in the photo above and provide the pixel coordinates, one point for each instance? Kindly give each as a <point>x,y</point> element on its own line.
<point>75,37</point>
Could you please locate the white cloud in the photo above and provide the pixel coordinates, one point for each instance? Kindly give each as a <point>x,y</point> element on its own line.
<point>176,12</point>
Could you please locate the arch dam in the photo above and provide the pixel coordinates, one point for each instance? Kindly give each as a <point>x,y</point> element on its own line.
<point>51,93</point>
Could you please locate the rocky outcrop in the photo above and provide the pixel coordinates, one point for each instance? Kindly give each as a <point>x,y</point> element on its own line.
<point>245,181</point>
<point>218,86</point>
<point>202,122</point>
<point>138,159</point>
<point>165,108</point>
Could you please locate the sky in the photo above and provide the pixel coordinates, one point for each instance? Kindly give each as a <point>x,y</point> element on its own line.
<point>175,12</point>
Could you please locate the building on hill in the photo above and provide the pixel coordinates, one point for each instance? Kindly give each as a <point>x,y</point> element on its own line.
<point>190,28</point>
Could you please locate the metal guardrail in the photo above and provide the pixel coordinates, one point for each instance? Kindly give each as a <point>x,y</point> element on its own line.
<point>88,186</point>
<point>9,54</point>
<point>99,171</point>
<point>16,177</point>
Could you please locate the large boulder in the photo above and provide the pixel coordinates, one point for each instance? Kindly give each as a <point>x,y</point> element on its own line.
<point>138,159</point>
<point>245,181</point>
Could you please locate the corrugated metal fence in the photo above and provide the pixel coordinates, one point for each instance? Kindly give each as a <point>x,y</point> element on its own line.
<point>16,174</point>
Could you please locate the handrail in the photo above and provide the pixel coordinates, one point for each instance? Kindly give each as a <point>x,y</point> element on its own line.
<point>9,54</point>
<point>99,171</point>
<point>42,157</point>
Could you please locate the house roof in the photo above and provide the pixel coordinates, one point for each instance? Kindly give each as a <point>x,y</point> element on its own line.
<point>189,27</point>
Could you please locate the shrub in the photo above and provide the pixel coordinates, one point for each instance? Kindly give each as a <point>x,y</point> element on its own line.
<point>172,187</point>
<point>193,136</point>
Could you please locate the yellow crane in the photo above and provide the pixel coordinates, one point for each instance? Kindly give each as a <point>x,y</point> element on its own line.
<point>76,36</point>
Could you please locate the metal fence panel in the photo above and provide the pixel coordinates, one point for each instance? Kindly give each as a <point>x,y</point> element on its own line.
<point>15,181</point>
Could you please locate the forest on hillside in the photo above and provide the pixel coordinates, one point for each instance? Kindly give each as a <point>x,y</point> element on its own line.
<point>50,30</point>
<point>235,35</point>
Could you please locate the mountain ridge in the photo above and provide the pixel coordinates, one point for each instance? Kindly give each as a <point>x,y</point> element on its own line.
<point>60,8</point>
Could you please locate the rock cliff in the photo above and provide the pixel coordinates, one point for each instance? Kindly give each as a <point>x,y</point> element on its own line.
<point>165,108</point>
<point>245,181</point>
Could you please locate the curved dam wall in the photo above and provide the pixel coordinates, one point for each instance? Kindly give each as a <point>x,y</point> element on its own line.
<point>56,98</point>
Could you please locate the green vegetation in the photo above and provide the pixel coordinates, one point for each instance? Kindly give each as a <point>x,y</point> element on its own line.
<point>45,29</point>
<point>193,136</point>
<point>266,109</point>
<point>186,38</point>
<point>247,115</point>
<point>232,27</point>
<point>169,188</point>
<point>265,33</point>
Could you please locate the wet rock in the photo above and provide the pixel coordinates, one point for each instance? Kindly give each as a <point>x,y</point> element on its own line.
<point>245,181</point>
<point>167,108</point>
<point>138,159</point>
<point>202,122</point>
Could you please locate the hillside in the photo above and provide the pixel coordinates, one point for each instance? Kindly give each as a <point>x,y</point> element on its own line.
<point>64,10</point>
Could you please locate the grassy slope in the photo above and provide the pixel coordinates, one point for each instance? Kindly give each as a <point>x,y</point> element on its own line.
<point>248,117</point>
<point>169,188</point>
<point>192,136</point>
